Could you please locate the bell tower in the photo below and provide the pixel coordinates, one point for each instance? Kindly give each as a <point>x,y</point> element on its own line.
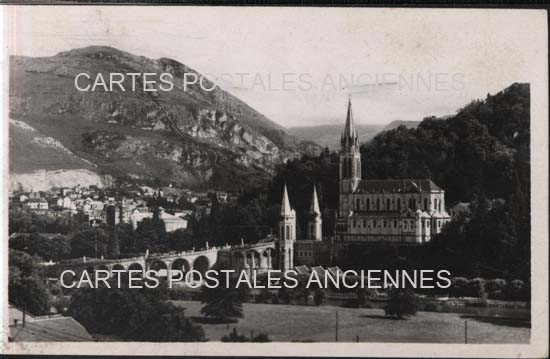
<point>287,234</point>
<point>350,157</point>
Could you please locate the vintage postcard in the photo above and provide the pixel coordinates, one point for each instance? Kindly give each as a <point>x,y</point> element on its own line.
<point>274,181</point>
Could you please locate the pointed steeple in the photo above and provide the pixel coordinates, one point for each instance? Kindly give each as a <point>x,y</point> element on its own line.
<point>285,206</point>
<point>315,203</point>
<point>349,130</point>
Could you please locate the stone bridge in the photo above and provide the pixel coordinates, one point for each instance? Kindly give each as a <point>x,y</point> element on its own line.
<point>245,256</point>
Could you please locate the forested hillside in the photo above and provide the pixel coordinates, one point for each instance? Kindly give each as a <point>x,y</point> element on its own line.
<point>480,155</point>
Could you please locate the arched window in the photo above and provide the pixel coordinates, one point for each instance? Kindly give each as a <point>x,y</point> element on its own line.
<point>378,204</point>
<point>435,203</point>
<point>399,204</point>
<point>287,232</point>
<point>349,167</point>
<point>439,206</point>
<point>357,203</point>
<point>368,204</point>
<point>344,168</point>
<point>387,204</point>
<point>426,204</point>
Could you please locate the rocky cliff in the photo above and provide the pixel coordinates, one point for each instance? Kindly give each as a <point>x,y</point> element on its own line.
<point>187,135</point>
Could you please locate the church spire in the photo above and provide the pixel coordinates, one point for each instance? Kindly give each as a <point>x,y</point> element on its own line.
<point>315,203</point>
<point>285,206</point>
<point>349,130</point>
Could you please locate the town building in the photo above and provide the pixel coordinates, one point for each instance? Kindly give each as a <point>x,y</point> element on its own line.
<point>171,222</point>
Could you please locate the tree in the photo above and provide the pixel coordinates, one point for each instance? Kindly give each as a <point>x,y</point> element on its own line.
<point>222,303</point>
<point>167,323</point>
<point>48,247</point>
<point>26,286</point>
<point>137,315</point>
<point>402,302</point>
<point>114,243</point>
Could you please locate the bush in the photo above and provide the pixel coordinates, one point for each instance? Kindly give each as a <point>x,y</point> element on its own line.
<point>261,338</point>
<point>235,337</point>
<point>136,315</point>
<point>476,287</point>
<point>222,303</point>
<point>496,288</point>
<point>430,307</point>
<point>319,296</point>
<point>402,302</point>
<point>516,290</point>
<point>459,287</point>
<point>283,295</point>
<point>264,296</point>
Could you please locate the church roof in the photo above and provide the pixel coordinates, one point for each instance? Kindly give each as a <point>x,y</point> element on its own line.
<point>285,206</point>
<point>349,130</point>
<point>397,186</point>
<point>315,203</point>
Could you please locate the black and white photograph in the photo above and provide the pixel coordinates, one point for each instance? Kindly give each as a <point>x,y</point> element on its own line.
<point>275,181</point>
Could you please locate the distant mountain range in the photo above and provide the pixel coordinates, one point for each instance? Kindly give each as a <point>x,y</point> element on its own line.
<point>329,135</point>
<point>193,138</point>
<point>397,123</point>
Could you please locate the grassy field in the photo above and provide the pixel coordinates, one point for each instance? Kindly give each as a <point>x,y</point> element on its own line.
<point>310,323</point>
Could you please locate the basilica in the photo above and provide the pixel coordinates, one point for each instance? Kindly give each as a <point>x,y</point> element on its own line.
<point>400,211</point>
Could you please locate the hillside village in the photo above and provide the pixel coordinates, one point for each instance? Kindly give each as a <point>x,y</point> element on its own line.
<point>95,206</point>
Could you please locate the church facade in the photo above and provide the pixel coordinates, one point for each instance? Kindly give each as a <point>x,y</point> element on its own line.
<point>400,211</point>
<point>406,211</point>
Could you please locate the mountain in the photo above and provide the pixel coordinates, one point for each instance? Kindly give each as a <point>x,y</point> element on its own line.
<point>329,135</point>
<point>397,123</point>
<point>187,136</point>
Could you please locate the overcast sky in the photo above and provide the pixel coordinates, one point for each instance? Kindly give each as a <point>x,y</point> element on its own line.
<point>298,65</point>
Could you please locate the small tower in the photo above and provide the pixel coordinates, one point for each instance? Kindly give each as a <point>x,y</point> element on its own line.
<point>287,234</point>
<point>315,221</point>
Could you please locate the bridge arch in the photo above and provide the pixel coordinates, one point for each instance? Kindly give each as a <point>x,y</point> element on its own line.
<point>118,266</point>
<point>181,264</point>
<point>239,260</point>
<point>159,267</point>
<point>266,259</point>
<point>253,259</point>
<point>136,266</point>
<point>201,264</point>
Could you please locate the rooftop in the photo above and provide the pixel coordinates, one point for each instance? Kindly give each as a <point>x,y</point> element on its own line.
<point>397,186</point>
<point>55,329</point>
